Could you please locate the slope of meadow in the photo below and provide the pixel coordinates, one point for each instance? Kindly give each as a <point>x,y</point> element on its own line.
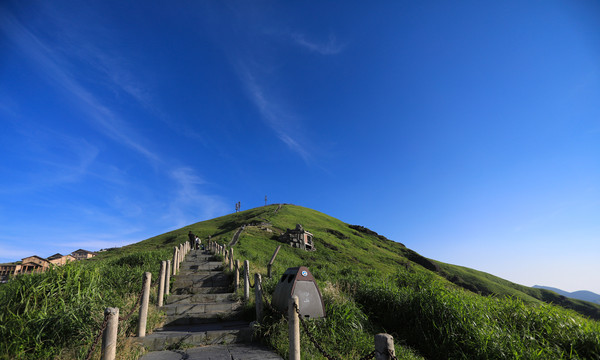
<point>369,284</point>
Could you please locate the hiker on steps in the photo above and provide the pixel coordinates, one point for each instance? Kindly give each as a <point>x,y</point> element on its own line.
<point>192,238</point>
<point>197,243</point>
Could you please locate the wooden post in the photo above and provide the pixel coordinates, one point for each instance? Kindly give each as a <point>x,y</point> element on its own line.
<point>384,347</point>
<point>246,280</point>
<point>258,297</point>
<point>146,280</point>
<point>168,278</point>
<point>294,328</point>
<point>109,338</point>
<point>237,274</point>
<point>161,283</point>
<point>175,260</point>
<point>272,260</point>
<point>230,259</point>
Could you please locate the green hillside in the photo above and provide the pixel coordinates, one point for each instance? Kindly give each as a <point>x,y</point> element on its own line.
<point>360,266</point>
<point>348,245</point>
<point>369,283</point>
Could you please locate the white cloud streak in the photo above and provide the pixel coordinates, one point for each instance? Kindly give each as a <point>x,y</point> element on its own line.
<point>331,47</point>
<point>190,202</point>
<point>280,120</point>
<point>53,64</point>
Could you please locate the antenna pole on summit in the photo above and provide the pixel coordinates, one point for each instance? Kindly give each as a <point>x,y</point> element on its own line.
<point>265,200</point>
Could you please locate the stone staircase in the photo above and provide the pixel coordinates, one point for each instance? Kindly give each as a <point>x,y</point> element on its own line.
<point>201,310</point>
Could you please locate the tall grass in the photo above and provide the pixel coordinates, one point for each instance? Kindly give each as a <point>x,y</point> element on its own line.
<point>442,322</point>
<point>60,311</point>
<point>345,332</point>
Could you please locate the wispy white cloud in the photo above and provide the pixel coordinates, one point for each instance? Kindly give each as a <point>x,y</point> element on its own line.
<point>190,203</point>
<point>54,64</point>
<point>282,121</point>
<point>330,47</point>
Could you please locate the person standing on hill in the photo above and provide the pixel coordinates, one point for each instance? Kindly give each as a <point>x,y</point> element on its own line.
<point>192,238</point>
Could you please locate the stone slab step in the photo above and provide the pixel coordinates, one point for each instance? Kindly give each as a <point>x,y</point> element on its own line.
<point>201,279</point>
<point>202,290</point>
<point>200,265</point>
<point>205,334</point>
<point>202,318</point>
<point>202,308</point>
<point>217,352</point>
<point>198,298</point>
<point>206,284</point>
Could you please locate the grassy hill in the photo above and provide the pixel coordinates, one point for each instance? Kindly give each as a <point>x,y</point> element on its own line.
<point>370,284</point>
<point>345,245</point>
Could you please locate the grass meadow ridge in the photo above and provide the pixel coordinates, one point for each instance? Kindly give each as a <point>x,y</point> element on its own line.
<point>369,283</point>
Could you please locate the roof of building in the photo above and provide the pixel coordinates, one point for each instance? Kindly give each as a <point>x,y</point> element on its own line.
<point>39,257</point>
<point>83,251</point>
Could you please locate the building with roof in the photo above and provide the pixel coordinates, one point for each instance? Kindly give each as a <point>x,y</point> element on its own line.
<point>298,238</point>
<point>82,254</point>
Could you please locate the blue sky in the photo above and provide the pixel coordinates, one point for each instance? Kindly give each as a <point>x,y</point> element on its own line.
<point>469,131</point>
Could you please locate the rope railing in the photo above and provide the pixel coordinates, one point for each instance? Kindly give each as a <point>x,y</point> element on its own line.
<point>134,308</point>
<point>95,343</point>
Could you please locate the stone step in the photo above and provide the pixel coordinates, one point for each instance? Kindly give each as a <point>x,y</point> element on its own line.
<point>205,284</point>
<point>205,276</point>
<point>202,290</point>
<point>202,318</point>
<point>217,352</point>
<point>183,336</point>
<point>193,266</point>
<point>198,298</point>
<point>201,308</point>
